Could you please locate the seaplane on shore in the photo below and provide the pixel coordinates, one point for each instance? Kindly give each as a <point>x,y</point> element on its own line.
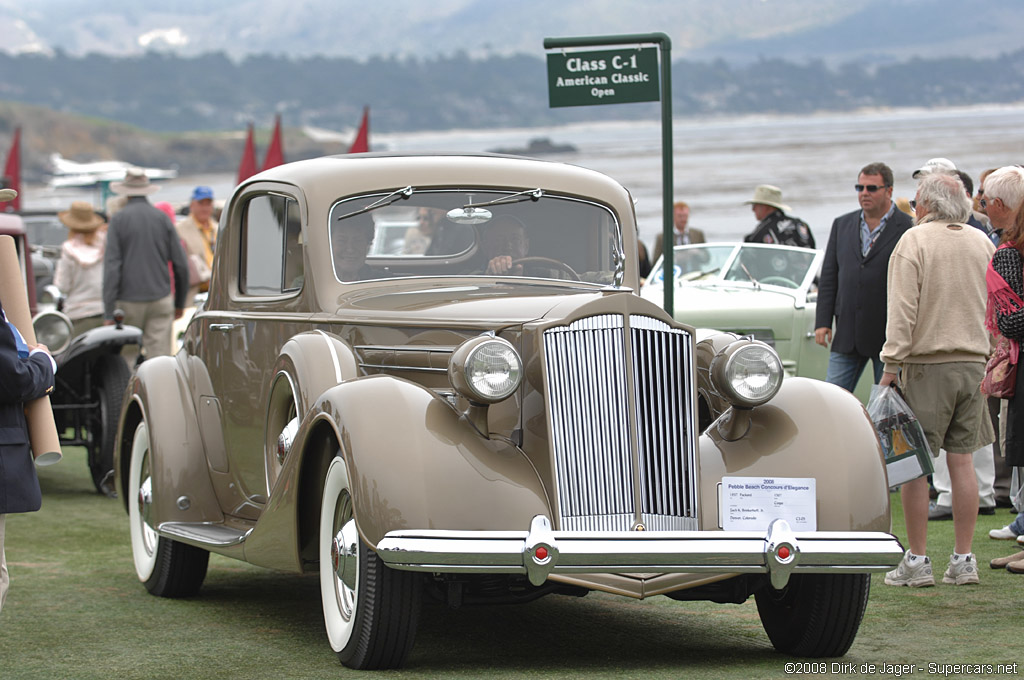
<point>68,173</point>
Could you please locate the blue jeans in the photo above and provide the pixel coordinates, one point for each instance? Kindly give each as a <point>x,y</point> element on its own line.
<point>845,369</point>
<point>1017,525</point>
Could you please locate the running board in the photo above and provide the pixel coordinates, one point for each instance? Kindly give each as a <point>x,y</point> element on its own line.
<point>203,533</point>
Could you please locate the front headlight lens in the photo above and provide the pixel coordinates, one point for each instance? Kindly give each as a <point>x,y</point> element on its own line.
<point>493,370</point>
<point>52,329</point>
<point>485,369</point>
<point>754,373</point>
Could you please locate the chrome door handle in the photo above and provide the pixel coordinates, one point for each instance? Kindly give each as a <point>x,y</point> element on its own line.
<point>222,326</point>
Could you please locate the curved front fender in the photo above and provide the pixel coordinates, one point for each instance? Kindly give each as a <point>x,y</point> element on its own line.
<point>810,429</point>
<point>417,464</point>
<point>159,393</point>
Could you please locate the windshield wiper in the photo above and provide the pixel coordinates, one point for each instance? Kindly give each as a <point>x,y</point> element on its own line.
<point>529,194</point>
<point>387,200</point>
<point>750,276</point>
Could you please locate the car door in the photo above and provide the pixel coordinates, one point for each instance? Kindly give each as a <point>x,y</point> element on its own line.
<point>243,342</point>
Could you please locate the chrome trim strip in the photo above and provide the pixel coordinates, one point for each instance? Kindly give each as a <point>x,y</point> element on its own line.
<point>334,357</point>
<point>392,367</point>
<point>444,349</point>
<point>778,552</point>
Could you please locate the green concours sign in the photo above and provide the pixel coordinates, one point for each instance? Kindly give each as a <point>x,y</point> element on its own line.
<point>603,77</point>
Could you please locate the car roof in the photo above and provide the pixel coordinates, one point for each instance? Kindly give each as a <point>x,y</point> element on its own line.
<point>11,224</point>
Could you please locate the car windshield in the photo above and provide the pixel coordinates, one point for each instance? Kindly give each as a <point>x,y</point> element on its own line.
<point>45,231</point>
<point>467,232</point>
<point>756,264</point>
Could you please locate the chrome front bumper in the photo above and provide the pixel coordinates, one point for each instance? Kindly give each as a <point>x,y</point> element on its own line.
<point>540,551</point>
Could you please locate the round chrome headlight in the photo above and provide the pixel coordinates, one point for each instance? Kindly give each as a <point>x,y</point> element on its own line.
<point>747,373</point>
<point>52,329</point>
<point>485,370</point>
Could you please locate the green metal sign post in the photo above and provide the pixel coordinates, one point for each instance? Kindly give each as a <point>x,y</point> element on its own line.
<point>617,77</point>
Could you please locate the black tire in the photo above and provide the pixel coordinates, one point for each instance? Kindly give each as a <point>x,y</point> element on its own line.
<point>166,567</point>
<point>815,615</point>
<point>110,379</point>
<point>372,624</point>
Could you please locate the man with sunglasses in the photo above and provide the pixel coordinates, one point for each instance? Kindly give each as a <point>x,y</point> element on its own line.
<point>852,287</point>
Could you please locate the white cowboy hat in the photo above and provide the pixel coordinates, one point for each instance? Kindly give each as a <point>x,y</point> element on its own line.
<point>766,194</point>
<point>136,183</point>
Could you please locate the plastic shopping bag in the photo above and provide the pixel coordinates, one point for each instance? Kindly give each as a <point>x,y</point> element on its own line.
<point>907,454</point>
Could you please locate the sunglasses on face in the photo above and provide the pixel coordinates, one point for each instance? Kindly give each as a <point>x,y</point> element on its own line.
<point>870,188</point>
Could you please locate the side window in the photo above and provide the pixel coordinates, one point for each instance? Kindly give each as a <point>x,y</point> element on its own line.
<point>271,246</point>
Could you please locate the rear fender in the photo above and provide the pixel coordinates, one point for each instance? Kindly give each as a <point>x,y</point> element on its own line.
<point>810,429</point>
<point>159,393</point>
<point>416,463</point>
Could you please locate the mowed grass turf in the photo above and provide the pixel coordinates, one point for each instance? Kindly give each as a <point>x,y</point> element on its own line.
<point>76,610</point>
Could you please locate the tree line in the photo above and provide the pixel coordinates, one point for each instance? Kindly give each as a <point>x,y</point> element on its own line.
<point>165,93</point>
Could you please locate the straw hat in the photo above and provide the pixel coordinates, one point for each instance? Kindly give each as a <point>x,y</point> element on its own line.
<point>766,194</point>
<point>136,183</point>
<point>7,195</point>
<point>81,217</point>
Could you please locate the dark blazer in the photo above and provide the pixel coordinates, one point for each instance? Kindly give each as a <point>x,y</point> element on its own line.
<point>21,380</point>
<point>852,289</point>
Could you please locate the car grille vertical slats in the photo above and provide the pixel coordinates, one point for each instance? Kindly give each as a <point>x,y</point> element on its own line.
<point>596,462</point>
<point>665,450</point>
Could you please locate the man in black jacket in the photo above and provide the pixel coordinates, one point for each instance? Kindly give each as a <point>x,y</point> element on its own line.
<point>852,288</point>
<point>26,373</point>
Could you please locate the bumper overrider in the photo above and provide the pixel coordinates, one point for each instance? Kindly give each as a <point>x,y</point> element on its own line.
<point>541,552</point>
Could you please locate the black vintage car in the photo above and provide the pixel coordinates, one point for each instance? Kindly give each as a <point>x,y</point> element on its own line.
<point>90,383</point>
<point>91,374</point>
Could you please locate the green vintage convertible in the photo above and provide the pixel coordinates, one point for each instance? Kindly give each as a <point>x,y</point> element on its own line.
<point>768,292</point>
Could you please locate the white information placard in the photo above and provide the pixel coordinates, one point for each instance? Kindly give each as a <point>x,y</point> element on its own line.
<point>751,503</point>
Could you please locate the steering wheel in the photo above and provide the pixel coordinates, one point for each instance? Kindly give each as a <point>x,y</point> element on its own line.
<point>557,264</point>
<point>779,281</point>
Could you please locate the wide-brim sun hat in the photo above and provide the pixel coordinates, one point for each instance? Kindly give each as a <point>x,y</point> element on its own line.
<point>766,194</point>
<point>81,217</point>
<point>7,195</point>
<point>136,183</point>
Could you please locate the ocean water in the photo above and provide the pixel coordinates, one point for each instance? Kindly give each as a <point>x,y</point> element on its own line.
<point>718,161</point>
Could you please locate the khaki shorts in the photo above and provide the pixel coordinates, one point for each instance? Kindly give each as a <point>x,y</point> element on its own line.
<point>947,400</point>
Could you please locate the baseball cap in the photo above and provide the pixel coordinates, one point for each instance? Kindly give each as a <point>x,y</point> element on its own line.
<point>202,192</point>
<point>935,165</point>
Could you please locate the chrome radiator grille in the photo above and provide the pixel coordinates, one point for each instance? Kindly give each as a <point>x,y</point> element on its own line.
<point>613,466</point>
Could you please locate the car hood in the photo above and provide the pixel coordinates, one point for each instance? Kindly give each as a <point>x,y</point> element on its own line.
<point>490,304</point>
<point>727,308</point>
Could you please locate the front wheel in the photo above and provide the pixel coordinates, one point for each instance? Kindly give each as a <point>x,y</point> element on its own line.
<point>167,568</point>
<point>111,376</point>
<point>815,615</point>
<point>370,611</point>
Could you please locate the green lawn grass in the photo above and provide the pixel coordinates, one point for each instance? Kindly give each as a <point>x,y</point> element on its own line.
<point>76,610</point>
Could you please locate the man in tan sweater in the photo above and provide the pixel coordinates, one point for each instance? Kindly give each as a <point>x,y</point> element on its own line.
<point>936,345</point>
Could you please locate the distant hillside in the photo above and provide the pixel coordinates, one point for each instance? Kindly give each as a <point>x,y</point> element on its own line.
<point>211,92</point>
<point>832,30</point>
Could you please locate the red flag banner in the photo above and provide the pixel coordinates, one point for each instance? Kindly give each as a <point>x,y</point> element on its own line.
<point>275,152</point>
<point>361,143</point>
<point>12,172</point>
<point>247,168</point>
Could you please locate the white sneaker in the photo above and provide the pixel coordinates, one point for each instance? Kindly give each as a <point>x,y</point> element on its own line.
<point>1004,534</point>
<point>1020,540</point>
<point>916,575</point>
<point>961,572</point>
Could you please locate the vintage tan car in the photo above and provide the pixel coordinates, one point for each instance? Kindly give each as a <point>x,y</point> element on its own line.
<point>416,424</point>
